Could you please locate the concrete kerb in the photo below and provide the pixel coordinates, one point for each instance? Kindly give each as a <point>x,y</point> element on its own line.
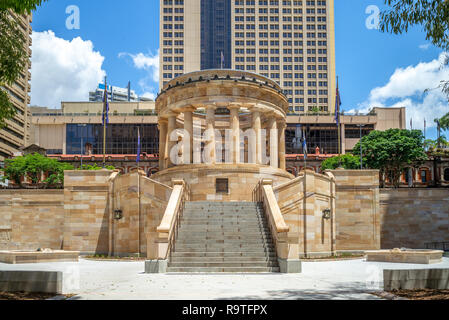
<point>31,281</point>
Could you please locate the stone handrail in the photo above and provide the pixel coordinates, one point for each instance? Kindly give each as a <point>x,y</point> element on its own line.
<point>279,229</point>
<point>168,228</point>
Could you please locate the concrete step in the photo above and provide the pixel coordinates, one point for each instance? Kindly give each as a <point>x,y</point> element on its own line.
<point>224,244</point>
<point>216,228</point>
<point>224,222</point>
<point>224,270</point>
<point>223,249</point>
<point>223,234</point>
<point>239,259</point>
<point>202,237</point>
<point>222,264</point>
<point>222,254</point>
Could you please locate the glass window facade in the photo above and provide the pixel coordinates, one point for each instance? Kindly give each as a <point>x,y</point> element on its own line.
<point>323,136</point>
<point>216,34</point>
<point>120,138</point>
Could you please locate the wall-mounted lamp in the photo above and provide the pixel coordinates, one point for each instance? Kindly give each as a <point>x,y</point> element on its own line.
<point>118,214</point>
<point>327,214</point>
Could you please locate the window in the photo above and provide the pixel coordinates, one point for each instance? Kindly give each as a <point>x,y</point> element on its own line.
<point>222,185</point>
<point>423,176</point>
<point>446,174</point>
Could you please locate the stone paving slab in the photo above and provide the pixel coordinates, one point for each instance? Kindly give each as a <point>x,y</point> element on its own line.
<point>98,280</point>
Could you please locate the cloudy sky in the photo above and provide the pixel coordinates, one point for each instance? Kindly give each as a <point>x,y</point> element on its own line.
<point>122,42</point>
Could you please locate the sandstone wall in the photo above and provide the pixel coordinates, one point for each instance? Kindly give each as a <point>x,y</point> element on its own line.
<point>31,219</point>
<point>243,178</point>
<point>357,210</point>
<point>154,197</point>
<point>413,217</point>
<point>302,202</point>
<point>87,215</point>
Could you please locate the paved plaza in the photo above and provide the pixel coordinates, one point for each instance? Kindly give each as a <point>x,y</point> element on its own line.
<point>98,280</point>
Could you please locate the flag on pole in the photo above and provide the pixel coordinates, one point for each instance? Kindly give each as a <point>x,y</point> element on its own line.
<point>337,106</point>
<point>105,106</point>
<point>222,60</point>
<point>129,91</point>
<point>138,146</point>
<point>411,123</point>
<point>304,145</point>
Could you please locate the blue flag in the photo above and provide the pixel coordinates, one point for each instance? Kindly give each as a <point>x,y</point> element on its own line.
<point>138,146</point>
<point>105,106</point>
<point>337,106</point>
<point>304,145</point>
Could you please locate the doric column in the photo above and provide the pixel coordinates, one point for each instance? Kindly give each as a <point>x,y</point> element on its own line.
<point>188,129</point>
<point>274,150</point>
<point>210,127</point>
<point>170,144</point>
<point>257,127</point>
<point>282,126</point>
<point>235,127</point>
<point>162,142</point>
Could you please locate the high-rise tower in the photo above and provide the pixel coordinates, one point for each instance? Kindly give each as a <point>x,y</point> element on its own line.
<point>15,134</point>
<point>291,42</point>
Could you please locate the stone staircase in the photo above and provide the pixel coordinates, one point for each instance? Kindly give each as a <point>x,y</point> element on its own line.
<point>230,237</point>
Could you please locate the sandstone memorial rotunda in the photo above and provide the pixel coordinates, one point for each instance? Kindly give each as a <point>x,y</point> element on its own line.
<point>222,200</point>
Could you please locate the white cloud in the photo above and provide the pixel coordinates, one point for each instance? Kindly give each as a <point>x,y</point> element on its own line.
<point>407,88</point>
<point>149,63</point>
<point>149,95</point>
<point>63,70</point>
<point>424,46</point>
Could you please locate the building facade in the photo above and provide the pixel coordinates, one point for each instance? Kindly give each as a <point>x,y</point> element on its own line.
<point>290,42</point>
<point>15,134</point>
<point>115,94</point>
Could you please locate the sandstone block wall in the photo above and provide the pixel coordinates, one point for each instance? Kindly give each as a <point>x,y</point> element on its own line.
<point>130,234</point>
<point>86,204</point>
<point>243,179</point>
<point>302,202</point>
<point>31,219</point>
<point>357,210</point>
<point>413,217</point>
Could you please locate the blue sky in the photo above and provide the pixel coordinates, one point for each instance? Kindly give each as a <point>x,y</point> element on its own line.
<point>366,59</point>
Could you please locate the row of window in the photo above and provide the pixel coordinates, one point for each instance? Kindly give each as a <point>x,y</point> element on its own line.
<point>276,19</point>
<point>286,43</point>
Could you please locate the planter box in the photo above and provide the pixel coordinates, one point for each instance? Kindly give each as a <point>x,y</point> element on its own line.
<point>19,257</point>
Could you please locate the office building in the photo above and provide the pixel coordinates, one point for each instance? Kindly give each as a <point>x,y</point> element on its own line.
<point>15,135</point>
<point>115,94</point>
<point>291,42</point>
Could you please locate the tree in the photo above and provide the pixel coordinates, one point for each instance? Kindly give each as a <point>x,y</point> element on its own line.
<point>32,166</point>
<point>444,122</point>
<point>13,56</point>
<point>20,6</point>
<point>432,15</point>
<point>347,161</point>
<point>391,151</point>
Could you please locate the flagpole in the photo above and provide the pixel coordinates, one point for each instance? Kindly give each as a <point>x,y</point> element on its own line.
<point>138,184</point>
<point>337,111</point>
<point>104,120</point>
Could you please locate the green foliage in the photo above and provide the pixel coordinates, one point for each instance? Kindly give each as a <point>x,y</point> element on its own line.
<point>444,122</point>
<point>347,161</point>
<point>432,15</point>
<point>392,151</point>
<point>13,56</point>
<point>20,6</point>
<point>95,167</point>
<point>32,166</point>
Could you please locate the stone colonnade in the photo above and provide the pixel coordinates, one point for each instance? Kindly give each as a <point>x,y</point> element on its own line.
<point>275,128</point>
